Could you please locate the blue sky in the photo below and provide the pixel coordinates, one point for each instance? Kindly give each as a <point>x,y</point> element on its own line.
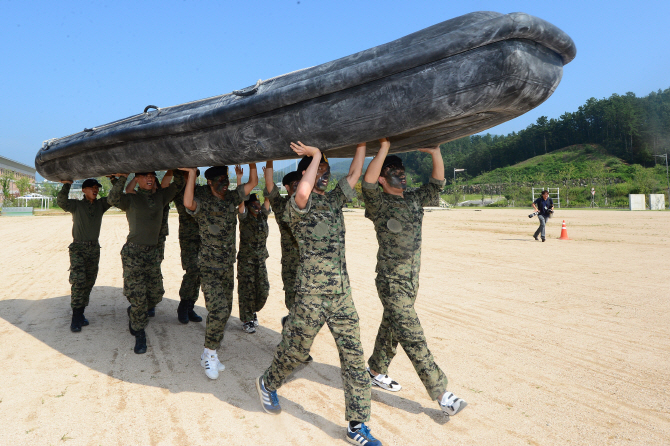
<point>70,65</point>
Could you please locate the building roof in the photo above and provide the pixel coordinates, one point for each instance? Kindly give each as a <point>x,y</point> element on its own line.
<point>6,163</point>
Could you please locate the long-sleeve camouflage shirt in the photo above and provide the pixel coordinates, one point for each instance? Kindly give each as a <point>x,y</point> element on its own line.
<point>289,245</point>
<point>188,226</point>
<point>319,230</point>
<point>86,216</point>
<point>217,221</point>
<point>253,236</point>
<point>144,211</point>
<point>398,221</point>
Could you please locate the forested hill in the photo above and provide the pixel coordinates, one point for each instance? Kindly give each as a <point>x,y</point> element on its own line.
<point>628,127</point>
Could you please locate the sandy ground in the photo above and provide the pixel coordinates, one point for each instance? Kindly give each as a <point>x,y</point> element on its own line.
<point>563,342</point>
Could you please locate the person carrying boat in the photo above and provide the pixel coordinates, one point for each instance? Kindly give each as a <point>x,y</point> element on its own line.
<point>323,293</point>
<point>162,235</point>
<point>189,245</point>
<point>140,255</point>
<point>289,246</point>
<point>253,286</point>
<point>397,215</point>
<point>214,207</point>
<point>85,248</point>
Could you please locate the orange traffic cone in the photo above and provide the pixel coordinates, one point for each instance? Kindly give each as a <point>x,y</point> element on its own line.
<point>564,232</point>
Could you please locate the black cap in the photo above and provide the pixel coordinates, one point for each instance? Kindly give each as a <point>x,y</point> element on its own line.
<point>306,161</point>
<point>291,177</point>
<point>392,161</point>
<point>216,171</point>
<point>145,173</point>
<point>252,197</point>
<point>90,183</point>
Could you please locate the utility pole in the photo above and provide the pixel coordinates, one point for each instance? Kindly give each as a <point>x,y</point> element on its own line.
<point>457,170</point>
<point>667,175</point>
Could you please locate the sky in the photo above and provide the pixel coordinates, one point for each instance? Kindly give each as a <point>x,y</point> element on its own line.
<point>70,65</point>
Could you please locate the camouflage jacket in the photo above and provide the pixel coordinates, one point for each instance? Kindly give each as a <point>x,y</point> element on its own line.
<point>253,236</point>
<point>188,226</point>
<point>289,245</point>
<point>217,221</point>
<point>86,216</point>
<point>319,230</point>
<point>398,221</point>
<point>144,211</point>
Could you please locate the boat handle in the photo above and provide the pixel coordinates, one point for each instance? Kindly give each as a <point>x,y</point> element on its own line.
<point>148,107</point>
<point>249,90</point>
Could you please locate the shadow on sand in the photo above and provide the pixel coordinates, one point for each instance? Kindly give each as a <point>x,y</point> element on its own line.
<point>172,361</point>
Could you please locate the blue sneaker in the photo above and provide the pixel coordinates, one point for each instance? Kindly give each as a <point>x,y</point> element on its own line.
<point>268,398</point>
<point>362,436</point>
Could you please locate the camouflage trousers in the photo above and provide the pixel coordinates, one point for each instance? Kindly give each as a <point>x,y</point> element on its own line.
<point>308,315</point>
<point>400,325</point>
<point>190,283</point>
<point>289,270</point>
<point>253,287</point>
<point>161,248</point>
<point>217,286</point>
<point>142,281</point>
<point>84,260</point>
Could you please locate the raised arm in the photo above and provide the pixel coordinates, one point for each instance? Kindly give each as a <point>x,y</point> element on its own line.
<point>130,188</point>
<point>253,179</point>
<point>116,196</point>
<point>375,167</point>
<point>309,177</point>
<point>266,204</point>
<point>189,190</point>
<point>268,172</point>
<point>356,167</point>
<point>165,182</point>
<point>63,193</point>
<point>438,163</point>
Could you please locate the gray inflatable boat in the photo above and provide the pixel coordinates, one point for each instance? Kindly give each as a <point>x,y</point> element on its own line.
<point>450,80</point>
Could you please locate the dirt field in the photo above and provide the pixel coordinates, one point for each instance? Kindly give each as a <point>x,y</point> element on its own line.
<point>563,342</point>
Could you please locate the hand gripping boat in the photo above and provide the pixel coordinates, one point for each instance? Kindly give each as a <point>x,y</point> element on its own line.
<point>447,81</point>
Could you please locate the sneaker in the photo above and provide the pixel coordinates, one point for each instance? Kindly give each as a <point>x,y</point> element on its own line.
<point>212,365</point>
<point>248,327</point>
<point>255,320</point>
<point>384,382</point>
<point>268,398</point>
<point>362,436</point>
<point>451,404</point>
<point>542,239</point>
<point>535,237</point>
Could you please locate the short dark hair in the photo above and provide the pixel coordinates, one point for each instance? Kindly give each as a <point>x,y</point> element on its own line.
<point>145,173</point>
<point>291,177</point>
<point>545,192</point>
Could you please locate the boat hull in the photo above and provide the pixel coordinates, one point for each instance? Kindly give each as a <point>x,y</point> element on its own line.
<point>421,106</point>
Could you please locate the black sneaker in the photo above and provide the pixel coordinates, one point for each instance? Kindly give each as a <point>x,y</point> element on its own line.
<point>140,342</point>
<point>182,312</point>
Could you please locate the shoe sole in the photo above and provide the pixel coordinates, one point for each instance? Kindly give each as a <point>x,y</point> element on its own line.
<point>260,398</point>
<point>383,387</point>
<point>462,406</point>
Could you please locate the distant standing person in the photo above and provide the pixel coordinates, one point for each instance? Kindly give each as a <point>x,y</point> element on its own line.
<point>140,256</point>
<point>545,206</point>
<point>323,293</point>
<point>85,248</point>
<point>289,246</point>
<point>397,215</point>
<point>253,285</point>
<point>215,209</point>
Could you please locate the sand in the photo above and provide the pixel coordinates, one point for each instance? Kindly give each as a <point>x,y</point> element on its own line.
<point>563,342</point>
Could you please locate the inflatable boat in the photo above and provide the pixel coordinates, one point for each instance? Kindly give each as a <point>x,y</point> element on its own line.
<point>450,80</point>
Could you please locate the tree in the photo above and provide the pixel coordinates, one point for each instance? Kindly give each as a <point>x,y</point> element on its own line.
<point>23,184</point>
<point>5,182</point>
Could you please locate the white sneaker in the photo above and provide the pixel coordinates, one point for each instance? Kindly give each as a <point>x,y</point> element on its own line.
<point>451,404</point>
<point>384,382</point>
<point>248,327</point>
<point>212,365</point>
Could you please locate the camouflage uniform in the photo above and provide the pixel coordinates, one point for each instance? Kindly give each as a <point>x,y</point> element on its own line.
<point>253,286</point>
<point>289,246</point>
<point>85,249</point>
<point>140,256</point>
<point>397,222</point>
<point>189,244</point>
<point>323,295</point>
<point>164,232</point>
<point>217,221</point>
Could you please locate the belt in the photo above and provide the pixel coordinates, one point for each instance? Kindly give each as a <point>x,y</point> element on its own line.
<point>141,247</point>
<point>81,242</point>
